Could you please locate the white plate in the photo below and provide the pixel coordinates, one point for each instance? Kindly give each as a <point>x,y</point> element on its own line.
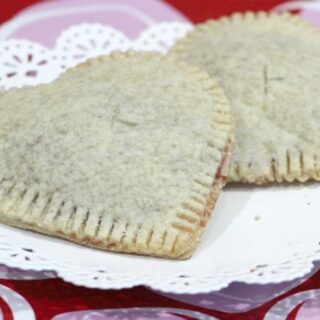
<point>257,235</point>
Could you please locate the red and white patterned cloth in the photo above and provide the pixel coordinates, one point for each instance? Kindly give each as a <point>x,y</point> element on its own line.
<point>41,295</point>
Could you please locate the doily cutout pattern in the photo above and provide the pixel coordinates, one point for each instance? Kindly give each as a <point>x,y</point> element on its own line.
<point>26,63</point>
<point>28,258</point>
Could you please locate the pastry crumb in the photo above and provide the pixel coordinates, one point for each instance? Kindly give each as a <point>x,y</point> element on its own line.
<point>257,218</point>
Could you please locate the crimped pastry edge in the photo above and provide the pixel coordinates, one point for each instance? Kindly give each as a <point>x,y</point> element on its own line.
<point>183,247</point>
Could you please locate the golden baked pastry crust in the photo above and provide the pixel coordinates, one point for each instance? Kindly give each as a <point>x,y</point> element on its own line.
<point>98,158</point>
<point>268,65</point>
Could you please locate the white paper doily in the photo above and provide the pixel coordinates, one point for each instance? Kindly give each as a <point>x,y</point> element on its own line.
<point>257,235</point>
<point>26,63</point>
